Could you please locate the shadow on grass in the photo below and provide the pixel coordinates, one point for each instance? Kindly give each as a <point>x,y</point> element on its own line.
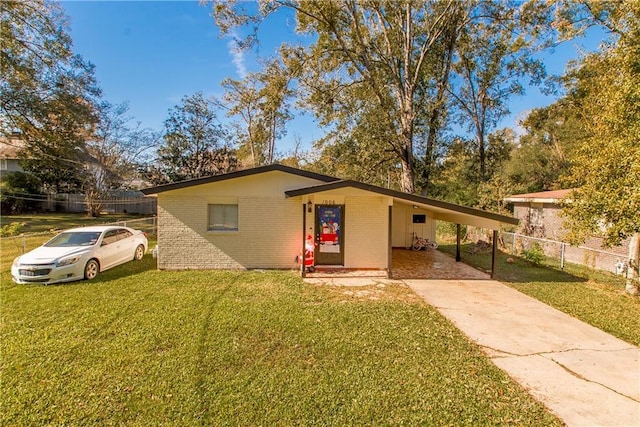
<point>518,271</point>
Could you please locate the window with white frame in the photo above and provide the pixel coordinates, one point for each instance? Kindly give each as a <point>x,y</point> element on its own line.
<point>223,217</point>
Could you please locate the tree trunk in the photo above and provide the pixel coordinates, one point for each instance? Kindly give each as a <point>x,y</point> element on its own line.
<point>428,156</point>
<point>481,150</point>
<point>481,135</point>
<point>439,107</point>
<point>406,179</point>
<point>406,153</point>
<point>633,275</point>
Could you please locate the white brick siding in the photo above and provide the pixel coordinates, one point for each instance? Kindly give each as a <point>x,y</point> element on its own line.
<point>269,225</point>
<point>366,232</point>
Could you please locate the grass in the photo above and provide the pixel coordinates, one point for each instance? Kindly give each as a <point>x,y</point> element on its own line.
<point>38,223</point>
<point>35,226</point>
<point>593,296</point>
<point>139,346</point>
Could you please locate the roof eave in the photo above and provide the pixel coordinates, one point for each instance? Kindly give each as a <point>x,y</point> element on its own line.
<point>237,174</point>
<point>552,200</point>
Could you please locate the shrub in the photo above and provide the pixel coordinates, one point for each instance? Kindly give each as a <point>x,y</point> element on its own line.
<point>535,254</point>
<point>446,231</point>
<point>19,193</point>
<point>11,229</point>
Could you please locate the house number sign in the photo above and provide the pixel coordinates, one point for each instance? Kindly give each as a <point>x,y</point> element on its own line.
<point>328,202</point>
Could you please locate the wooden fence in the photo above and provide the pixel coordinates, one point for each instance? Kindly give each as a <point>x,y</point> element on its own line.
<point>75,203</point>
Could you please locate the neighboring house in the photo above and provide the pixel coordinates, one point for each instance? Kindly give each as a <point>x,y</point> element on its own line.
<point>9,158</point>
<point>259,218</point>
<point>540,215</point>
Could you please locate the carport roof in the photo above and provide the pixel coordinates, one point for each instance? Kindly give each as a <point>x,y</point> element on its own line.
<point>436,205</point>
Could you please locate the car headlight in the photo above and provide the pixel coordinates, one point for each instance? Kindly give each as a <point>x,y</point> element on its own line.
<point>67,261</point>
<point>16,262</point>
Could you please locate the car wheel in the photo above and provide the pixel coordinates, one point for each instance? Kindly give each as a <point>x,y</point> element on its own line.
<point>139,253</point>
<point>91,269</point>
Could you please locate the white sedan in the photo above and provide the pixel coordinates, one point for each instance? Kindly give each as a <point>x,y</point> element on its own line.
<point>79,253</point>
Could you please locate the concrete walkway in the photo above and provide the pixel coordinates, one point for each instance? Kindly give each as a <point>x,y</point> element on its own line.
<point>582,374</point>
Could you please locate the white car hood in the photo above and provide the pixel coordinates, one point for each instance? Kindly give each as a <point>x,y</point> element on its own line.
<point>47,255</point>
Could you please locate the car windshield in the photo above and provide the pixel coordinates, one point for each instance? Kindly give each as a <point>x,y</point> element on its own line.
<point>78,238</point>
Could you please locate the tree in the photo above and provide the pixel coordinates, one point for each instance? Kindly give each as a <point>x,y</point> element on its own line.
<point>494,55</point>
<point>543,157</point>
<point>260,103</point>
<point>243,99</point>
<point>457,178</point>
<point>372,52</point>
<point>194,142</point>
<point>352,157</point>
<point>438,112</point>
<point>18,193</point>
<point>46,92</point>
<point>113,154</point>
<point>606,168</point>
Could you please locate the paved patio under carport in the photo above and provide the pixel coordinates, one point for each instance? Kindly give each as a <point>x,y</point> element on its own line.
<point>409,264</point>
<point>431,264</point>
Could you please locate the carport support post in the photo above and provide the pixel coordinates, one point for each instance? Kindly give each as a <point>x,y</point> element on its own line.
<point>304,230</point>
<point>458,243</point>
<point>493,254</point>
<point>390,252</point>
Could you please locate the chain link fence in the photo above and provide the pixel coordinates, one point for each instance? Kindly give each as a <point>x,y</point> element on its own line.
<point>27,242</point>
<point>561,252</point>
<point>556,253</point>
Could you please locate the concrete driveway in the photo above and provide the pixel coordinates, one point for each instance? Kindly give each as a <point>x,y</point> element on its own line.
<point>582,374</point>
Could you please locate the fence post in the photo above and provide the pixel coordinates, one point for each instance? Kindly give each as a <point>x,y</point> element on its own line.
<point>562,256</point>
<point>494,250</point>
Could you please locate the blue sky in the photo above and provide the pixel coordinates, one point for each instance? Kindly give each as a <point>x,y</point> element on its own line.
<point>152,53</point>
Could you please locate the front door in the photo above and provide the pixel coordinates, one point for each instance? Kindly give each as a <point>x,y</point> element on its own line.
<point>329,234</point>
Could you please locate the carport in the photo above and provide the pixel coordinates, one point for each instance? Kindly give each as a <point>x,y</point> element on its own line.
<point>436,210</point>
<point>408,215</point>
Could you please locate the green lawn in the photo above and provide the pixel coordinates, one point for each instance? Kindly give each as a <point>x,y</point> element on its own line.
<point>593,296</point>
<point>143,347</point>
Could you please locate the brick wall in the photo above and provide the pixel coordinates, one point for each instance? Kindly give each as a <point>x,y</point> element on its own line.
<point>269,234</point>
<point>366,232</point>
